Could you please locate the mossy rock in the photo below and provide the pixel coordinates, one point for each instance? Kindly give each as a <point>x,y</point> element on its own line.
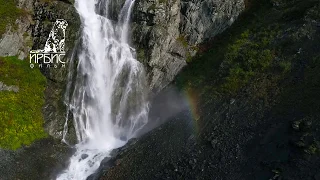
<point>21,120</point>
<point>8,13</point>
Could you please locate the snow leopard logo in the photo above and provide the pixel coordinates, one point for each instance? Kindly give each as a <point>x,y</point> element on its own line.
<point>56,40</point>
<point>53,52</point>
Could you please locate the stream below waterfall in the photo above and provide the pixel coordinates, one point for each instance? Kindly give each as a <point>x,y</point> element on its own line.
<point>108,94</point>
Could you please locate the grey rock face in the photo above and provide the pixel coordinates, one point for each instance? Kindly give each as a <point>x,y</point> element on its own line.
<point>17,41</point>
<point>4,87</point>
<point>167,32</point>
<point>10,44</point>
<point>114,8</point>
<point>26,4</point>
<point>202,20</point>
<point>156,34</point>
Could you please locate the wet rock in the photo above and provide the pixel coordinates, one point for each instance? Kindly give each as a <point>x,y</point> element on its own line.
<point>84,156</point>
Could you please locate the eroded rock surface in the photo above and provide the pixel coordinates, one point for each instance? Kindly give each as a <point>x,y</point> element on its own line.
<point>17,40</point>
<point>4,87</point>
<point>167,33</point>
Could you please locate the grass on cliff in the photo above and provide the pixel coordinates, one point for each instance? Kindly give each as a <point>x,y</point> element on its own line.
<point>21,120</point>
<point>8,13</point>
<point>233,59</point>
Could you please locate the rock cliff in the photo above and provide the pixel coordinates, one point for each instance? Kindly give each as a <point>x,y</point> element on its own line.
<point>167,33</point>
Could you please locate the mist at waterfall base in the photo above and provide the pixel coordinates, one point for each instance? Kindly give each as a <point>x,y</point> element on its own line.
<point>108,100</point>
<point>166,105</point>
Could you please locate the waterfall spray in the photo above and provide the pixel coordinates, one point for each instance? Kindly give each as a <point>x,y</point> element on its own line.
<point>109,103</point>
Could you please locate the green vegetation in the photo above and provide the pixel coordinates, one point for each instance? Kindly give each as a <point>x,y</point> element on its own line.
<point>8,13</point>
<point>313,148</point>
<point>163,1</point>
<point>267,57</point>
<point>183,41</point>
<point>152,7</point>
<point>21,120</point>
<point>245,52</point>
<point>249,55</point>
<point>141,55</point>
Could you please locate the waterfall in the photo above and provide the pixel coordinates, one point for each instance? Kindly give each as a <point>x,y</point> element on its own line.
<point>108,99</point>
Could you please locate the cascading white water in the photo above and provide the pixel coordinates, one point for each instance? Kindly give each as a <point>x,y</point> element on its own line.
<point>108,103</point>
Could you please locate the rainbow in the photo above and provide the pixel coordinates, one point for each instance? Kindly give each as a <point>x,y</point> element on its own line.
<point>192,100</point>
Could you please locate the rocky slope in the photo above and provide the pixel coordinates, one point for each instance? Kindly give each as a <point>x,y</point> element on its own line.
<point>42,160</point>
<point>256,93</point>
